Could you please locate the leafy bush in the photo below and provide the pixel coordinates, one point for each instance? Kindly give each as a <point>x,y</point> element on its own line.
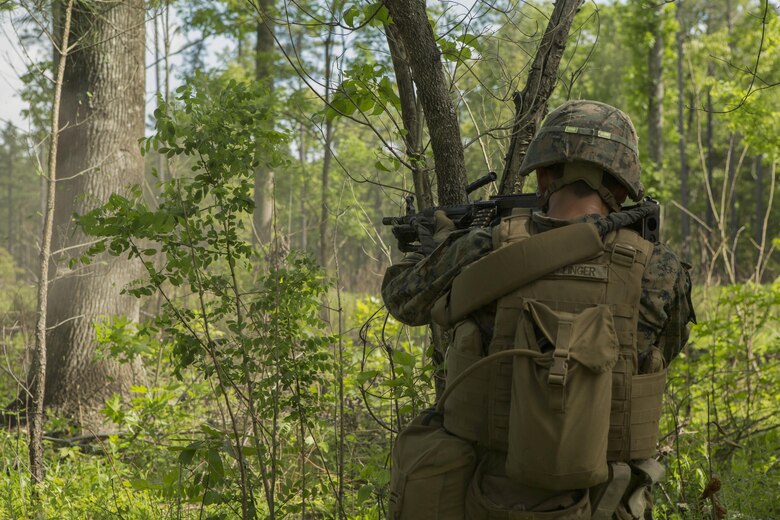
<point>721,414</point>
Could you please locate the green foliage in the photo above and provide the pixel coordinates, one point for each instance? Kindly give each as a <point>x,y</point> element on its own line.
<point>722,403</point>
<point>255,336</point>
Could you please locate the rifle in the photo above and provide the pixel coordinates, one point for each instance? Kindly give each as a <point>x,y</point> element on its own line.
<point>644,218</point>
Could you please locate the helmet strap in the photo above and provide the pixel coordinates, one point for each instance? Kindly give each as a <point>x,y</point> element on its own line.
<point>589,173</point>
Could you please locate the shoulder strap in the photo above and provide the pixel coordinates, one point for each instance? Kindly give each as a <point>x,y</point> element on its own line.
<point>513,266</point>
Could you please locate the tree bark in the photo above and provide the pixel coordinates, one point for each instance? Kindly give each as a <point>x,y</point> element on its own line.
<point>262,218</point>
<point>102,118</point>
<point>684,195</point>
<point>410,114</point>
<point>9,136</point>
<point>531,103</point>
<point>759,198</point>
<point>327,155</point>
<point>655,104</point>
<point>37,376</point>
<point>414,29</point>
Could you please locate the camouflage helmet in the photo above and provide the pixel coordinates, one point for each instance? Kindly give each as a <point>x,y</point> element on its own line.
<point>588,131</point>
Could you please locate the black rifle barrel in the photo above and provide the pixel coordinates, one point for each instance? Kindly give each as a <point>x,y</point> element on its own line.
<point>487,179</point>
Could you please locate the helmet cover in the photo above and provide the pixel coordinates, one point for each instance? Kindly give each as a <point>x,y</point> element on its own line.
<point>588,131</point>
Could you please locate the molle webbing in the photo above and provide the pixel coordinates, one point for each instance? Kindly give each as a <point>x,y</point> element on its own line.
<point>513,266</point>
<point>479,410</point>
<point>641,410</point>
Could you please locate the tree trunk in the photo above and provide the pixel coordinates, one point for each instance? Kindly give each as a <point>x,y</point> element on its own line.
<point>37,374</point>
<point>731,218</point>
<point>102,118</point>
<point>414,29</point>
<point>303,210</point>
<point>410,114</point>
<point>327,145</point>
<point>531,103</point>
<point>262,217</point>
<point>655,104</point>
<point>9,136</point>
<point>684,195</point>
<point>759,198</point>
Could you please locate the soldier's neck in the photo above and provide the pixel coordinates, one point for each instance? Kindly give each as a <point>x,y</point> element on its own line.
<point>567,205</point>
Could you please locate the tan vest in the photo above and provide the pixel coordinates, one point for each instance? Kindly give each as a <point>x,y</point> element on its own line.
<point>570,399</point>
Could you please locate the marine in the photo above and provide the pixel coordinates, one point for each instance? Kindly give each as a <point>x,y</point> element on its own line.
<point>604,327</point>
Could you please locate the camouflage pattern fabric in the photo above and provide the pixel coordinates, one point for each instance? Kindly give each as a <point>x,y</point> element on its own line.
<point>588,131</point>
<point>410,287</point>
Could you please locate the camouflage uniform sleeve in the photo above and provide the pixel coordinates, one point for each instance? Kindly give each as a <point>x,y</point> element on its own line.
<point>411,286</point>
<point>665,307</point>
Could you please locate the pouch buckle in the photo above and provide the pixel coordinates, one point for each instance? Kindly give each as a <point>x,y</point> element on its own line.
<point>559,368</point>
<point>624,255</point>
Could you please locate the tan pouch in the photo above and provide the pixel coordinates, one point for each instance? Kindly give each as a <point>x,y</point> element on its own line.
<point>431,472</point>
<point>560,411</point>
<point>647,393</point>
<point>464,410</point>
<point>494,496</point>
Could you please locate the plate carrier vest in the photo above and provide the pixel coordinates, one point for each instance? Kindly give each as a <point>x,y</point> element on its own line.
<point>571,400</point>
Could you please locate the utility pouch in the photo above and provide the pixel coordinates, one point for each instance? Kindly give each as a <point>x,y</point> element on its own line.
<point>494,496</point>
<point>560,409</point>
<point>465,408</point>
<point>431,472</point>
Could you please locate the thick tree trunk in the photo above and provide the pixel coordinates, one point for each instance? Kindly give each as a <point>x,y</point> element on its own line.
<point>531,103</point>
<point>655,104</point>
<point>102,118</point>
<point>264,72</point>
<point>414,29</point>
<point>410,114</point>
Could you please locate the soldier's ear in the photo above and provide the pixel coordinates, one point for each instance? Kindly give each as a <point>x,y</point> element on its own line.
<point>543,178</point>
<point>617,189</point>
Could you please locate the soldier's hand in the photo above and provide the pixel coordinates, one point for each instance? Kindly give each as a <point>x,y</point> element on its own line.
<point>431,238</point>
<point>443,226</point>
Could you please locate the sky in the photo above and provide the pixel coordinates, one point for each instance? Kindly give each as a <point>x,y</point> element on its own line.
<point>14,60</point>
<point>12,66</point>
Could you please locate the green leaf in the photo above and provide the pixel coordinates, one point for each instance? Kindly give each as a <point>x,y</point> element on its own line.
<point>186,456</point>
<point>214,460</point>
<point>364,493</point>
<point>403,358</point>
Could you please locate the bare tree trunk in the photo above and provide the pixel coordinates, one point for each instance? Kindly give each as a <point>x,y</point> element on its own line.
<point>732,220</point>
<point>759,197</point>
<point>410,114</point>
<point>414,30</point>
<point>158,86</point>
<point>304,191</point>
<point>327,155</point>
<point>37,376</point>
<point>9,136</point>
<point>684,189</point>
<point>709,218</point>
<point>102,118</point>
<point>655,105</point>
<point>262,217</point>
<point>531,103</point>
